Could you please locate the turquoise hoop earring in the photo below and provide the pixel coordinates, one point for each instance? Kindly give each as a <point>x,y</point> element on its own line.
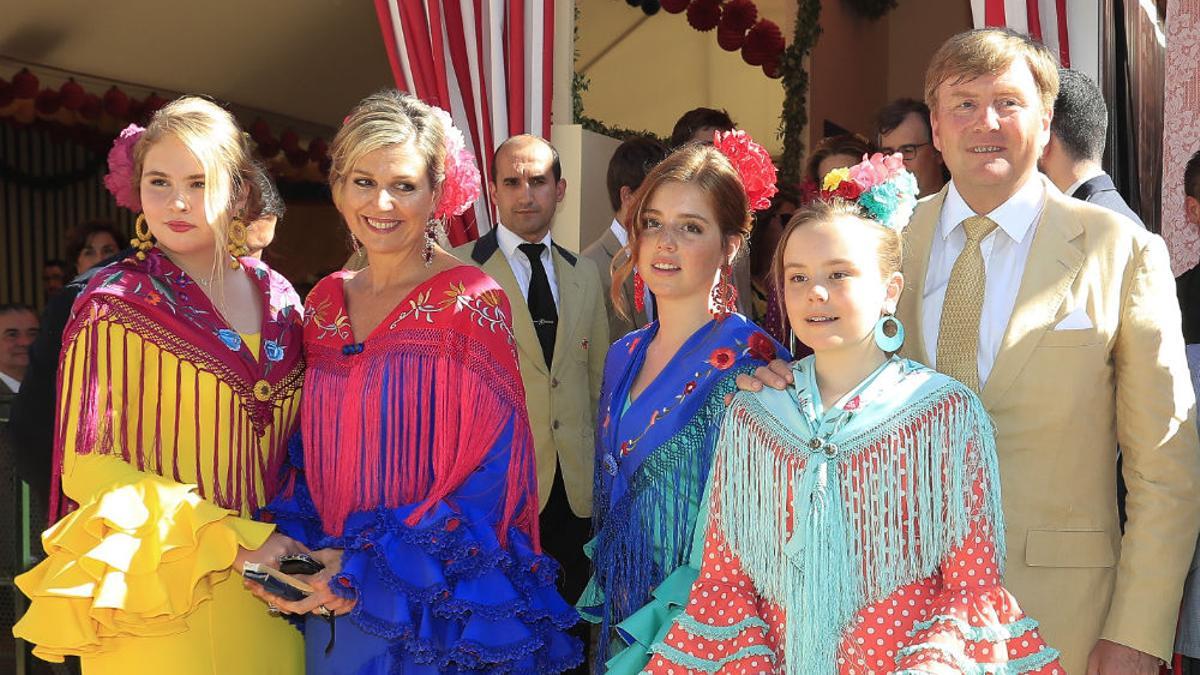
<point>890,344</point>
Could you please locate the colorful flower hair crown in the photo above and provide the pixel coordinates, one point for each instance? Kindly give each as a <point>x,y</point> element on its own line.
<point>753,164</point>
<point>879,184</point>
<point>119,179</point>
<point>462,184</point>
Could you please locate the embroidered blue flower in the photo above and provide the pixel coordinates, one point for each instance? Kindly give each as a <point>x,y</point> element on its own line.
<point>273,351</point>
<point>230,338</point>
<point>610,464</point>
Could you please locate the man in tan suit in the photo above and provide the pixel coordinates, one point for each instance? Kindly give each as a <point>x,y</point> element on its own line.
<point>1078,348</point>
<point>628,167</point>
<point>562,337</point>
<point>1061,314</point>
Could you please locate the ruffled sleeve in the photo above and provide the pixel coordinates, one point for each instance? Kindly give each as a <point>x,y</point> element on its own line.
<point>137,556</point>
<point>724,627</point>
<point>975,624</point>
<point>133,560</point>
<point>448,568</point>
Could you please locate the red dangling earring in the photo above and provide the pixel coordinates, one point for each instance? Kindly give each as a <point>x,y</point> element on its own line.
<point>639,292</point>
<point>724,294</point>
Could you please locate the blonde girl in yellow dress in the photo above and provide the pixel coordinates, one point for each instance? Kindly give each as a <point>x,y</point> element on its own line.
<point>179,388</point>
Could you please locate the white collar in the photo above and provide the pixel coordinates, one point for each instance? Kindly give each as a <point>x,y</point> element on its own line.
<point>1016,216</point>
<point>620,232</point>
<point>13,384</point>
<point>509,241</point>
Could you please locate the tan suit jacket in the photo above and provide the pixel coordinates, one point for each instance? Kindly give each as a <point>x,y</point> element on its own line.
<point>562,400</point>
<point>602,252</point>
<point>1062,401</point>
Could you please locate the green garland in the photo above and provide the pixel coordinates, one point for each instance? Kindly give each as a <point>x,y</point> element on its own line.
<point>795,89</point>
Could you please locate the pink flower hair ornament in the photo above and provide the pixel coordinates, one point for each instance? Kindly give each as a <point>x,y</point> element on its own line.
<point>119,179</point>
<point>462,184</point>
<point>752,162</point>
<point>879,184</point>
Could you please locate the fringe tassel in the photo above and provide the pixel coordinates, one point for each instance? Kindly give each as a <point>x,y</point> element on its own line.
<point>858,525</point>
<point>441,411</point>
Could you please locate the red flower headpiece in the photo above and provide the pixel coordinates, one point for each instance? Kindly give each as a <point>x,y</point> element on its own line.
<point>119,179</point>
<point>461,186</point>
<point>753,164</point>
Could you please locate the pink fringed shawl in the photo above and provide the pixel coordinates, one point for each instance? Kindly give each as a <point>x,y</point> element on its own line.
<point>162,305</point>
<point>405,416</point>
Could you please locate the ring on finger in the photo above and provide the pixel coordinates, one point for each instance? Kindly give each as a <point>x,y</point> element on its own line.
<point>324,611</point>
<point>273,610</point>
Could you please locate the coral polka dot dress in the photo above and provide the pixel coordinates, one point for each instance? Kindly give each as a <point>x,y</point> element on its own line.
<point>865,539</point>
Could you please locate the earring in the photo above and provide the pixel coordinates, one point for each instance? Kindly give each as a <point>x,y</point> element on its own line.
<point>142,240</point>
<point>431,238</point>
<point>237,242</point>
<point>639,291</point>
<point>889,343</point>
<point>724,294</point>
<point>355,245</point>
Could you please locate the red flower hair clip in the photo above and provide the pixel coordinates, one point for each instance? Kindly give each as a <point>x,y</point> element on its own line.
<point>753,164</point>
<point>119,179</point>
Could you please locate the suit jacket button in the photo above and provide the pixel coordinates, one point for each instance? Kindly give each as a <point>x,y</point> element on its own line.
<point>555,425</point>
<point>554,383</point>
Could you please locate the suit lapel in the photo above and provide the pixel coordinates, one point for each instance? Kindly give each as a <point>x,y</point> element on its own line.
<point>616,252</point>
<point>918,240</point>
<point>1054,261</point>
<point>570,293</point>
<point>527,340</point>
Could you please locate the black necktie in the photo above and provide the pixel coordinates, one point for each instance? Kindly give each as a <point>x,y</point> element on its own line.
<point>541,300</point>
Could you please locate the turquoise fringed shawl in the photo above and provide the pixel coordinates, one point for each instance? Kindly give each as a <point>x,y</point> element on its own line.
<point>829,511</point>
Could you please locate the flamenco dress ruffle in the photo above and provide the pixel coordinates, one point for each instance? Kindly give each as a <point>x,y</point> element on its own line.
<point>443,595</point>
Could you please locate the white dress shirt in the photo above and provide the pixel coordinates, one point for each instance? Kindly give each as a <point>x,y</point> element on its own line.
<point>1005,251</point>
<point>14,385</point>
<point>519,262</point>
<point>619,232</point>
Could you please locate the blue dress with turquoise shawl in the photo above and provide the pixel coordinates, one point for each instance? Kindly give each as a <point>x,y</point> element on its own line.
<point>653,456</point>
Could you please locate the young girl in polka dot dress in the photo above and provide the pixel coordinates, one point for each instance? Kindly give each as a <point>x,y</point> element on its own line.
<point>854,519</point>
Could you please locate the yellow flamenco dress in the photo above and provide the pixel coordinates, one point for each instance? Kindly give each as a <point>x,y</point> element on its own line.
<point>167,446</point>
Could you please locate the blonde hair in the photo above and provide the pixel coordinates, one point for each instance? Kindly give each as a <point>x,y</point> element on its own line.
<point>386,118</point>
<point>700,165</point>
<point>985,51</point>
<point>891,246</point>
<point>210,133</point>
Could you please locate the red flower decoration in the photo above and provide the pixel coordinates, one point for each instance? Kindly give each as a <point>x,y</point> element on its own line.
<point>25,84</point>
<point>852,404</point>
<point>689,387</point>
<point>674,6</point>
<point>761,347</point>
<point>72,94</point>
<point>722,358</point>
<point>116,102</point>
<point>625,448</point>
<point>48,101</point>
<point>730,40</point>
<point>848,190</point>
<point>153,298</point>
<point>739,15</point>
<point>704,15</point>
<point>753,164</point>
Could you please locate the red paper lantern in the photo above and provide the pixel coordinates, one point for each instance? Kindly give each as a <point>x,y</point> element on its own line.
<point>72,94</point>
<point>704,15</point>
<point>674,6</point>
<point>153,103</point>
<point>47,102</point>
<point>318,149</point>
<point>91,107</point>
<point>260,131</point>
<point>730,40</point>
<point>6,93</point>
<point>763,42</point>
<point>739,15</point>
<point>25,84</point>
<point>773,69</point>
<point>289,140</point>
<point>116,103</point>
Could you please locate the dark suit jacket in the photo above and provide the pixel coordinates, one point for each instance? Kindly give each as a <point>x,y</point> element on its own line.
<point>602,252</point>
<point>31,428</point>
<point>1102,192</point>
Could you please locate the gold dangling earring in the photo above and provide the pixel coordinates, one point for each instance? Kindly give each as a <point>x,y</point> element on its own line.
<point>237,242</point>
<point>142,240</point>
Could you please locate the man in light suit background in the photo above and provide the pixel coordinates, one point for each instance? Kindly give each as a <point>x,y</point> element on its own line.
<point>1077,134</point>
<point>628,167</point>
<point>1061,314</point>
<point>562,337</point>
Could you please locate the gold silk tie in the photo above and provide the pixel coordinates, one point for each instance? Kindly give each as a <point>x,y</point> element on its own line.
<point>958,335</point>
